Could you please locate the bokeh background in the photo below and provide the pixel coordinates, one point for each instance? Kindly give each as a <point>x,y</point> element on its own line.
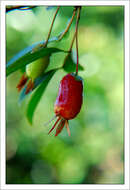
<point>94,154</point>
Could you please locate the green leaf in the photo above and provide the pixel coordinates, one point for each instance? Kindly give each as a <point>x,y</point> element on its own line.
<point>37,82</point>
<point>23,95</point>
<point>35,98</point>
<point>27,56</point>
<point>69,65</point>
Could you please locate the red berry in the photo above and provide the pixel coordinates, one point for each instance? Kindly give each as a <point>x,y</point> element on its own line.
<point>69,101</point>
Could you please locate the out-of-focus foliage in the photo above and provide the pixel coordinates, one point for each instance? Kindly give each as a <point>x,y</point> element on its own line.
<point>94,152</point>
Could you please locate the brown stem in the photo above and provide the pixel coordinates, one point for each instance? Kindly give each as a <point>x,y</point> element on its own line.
<point>72,42</point>
<point>68,26</point>
<point>76,29</point>
<point>49,33</point>
<point>69,51</point>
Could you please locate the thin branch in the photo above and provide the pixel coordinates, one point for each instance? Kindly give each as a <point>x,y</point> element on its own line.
<point>72,42</point>
<point>68,26</point>
<point>69,51</point>
<point>45,44</point>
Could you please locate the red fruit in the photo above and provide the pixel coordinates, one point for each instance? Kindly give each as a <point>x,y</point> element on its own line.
<point>68,102</point>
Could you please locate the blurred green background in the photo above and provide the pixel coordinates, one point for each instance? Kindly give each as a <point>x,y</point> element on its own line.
<point>94,154</point>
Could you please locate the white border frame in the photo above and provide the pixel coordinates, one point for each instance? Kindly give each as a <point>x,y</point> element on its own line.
<point>3,90</point>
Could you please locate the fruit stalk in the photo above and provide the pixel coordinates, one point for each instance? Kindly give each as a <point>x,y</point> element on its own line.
<point>72,42</point>
<point>51,26</point>
<point>68,26</point>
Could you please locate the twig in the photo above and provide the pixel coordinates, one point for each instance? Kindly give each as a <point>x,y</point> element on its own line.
<point>69,49</point>
<point>72,42</point>
<point>45,44</point>
<point>68,26</point>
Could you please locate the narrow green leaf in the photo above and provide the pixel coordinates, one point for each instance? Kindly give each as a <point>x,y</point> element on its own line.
<point>37,82</point>
<point>23,95</point>
<point>35,98</point>
<point>69,65</point>
<point>27,56</point>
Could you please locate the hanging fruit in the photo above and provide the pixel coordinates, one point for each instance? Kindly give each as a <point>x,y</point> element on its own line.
<point>68,102</point>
